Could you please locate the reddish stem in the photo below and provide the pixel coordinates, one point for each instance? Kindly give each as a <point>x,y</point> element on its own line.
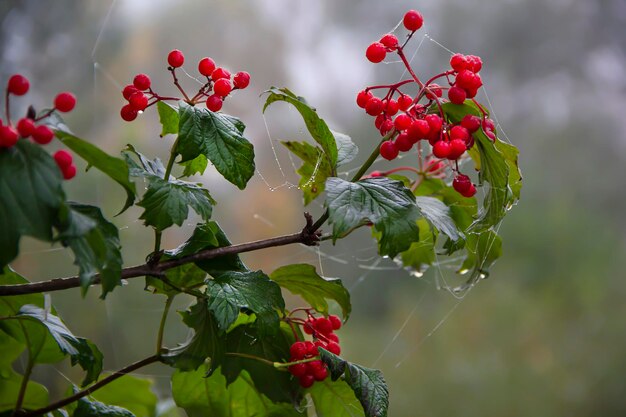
<point>173,71</point>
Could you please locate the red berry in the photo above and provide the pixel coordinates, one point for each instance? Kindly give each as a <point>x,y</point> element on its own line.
<point>333,347</point>
<point>459,132</point>
<point>468,80</point>
<point>128,113</point>
<point>25,127</point>
<point>65,102</point>
<point>374,106</point>
<point>333,337</point>
<point>459,62</point>
<point>404,102</point>
<point>308,326</point>
<point>222,87</point>
<point>461,183</point>
<point>8,136</point>
<point>306,381</point>
<point>390,41</point>
<point>311,349</point>
<point>128,91</point>
<point>176,58</point>
<point>206,66</point>
<point>434,91</point>
<point>63,159</point>
<point>488,124</point>
<point>413,20</point>
<point>69,172</point>
<point>385,126</point>
<point>18,85</point>
<point>378,121</point>
<point>214,103</point>
<point>390,107</point>
<point>402,122</point>
<point>42,134</point>
<point>433,165</point>
<point>376,52</point>
<point>323,325</point>
<point>435,123</point>
<point>471,122</point>
<point>457,95</point>
<point>470,191</point>
<point>220,73</point>
<point>241,80</point>
<point>335,321</point>
<point>441,149</point>
<point>142,82</point>
<point>471,92</point>
<point>298,350</point>
<point>419,129</point>
<point>298,370</point>
<point>314,366</point>
<point>457,148</point>
<point>474,63</point>
<point>376,174</point>
<point>403,142</point>
<point>491,135</point>
<point>138,101</point>
<point>320,374</point>
<point>388,150</point>
<point>362,98</point>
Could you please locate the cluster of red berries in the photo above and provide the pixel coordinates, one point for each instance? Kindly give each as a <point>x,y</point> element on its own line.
<point>219,84</point>
<point>406,119</point>
<point>322,329</point>
<point>27,127</point>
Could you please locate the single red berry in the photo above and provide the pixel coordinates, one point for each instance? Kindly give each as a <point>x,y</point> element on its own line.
<point>214,103</point>
<point>390,41</point>
<point>25,127</point>
<point>308,326</point>
<point>362,98</point>
<point>334,348</point>
<point>434,122</point>
<point>69,172</point>
<point>459,62</point>
<point>488,124</point>
<point>138,101</point>
<point>306,381</point>
<point>378,121</point>
<point>18,85</point>
<point>220,73</point>
<point>419,129</point>
<point>375,174</point>
<point>320,374</point>
<point>65,102</point>
<point>142,82</point>
<point>128,113</point>
<point>413,20</point>
<point>441,149</point>
<point>434,90</point>
<point>402,121</point>
<point>374,106</point>
<point>314,366</point>
<point>471,92</point>
<point>470,191</point>
<point>42,134</point>
<point>63,159</point>
<point>385,127</point>
<point>468,80</point>
<point>474,63</point>
<point>457,148</point>
<point>491,135</point>
<point>335,321</point>
<point>311,349</point>
<point>433,165</point>
<point>176,58</point>
<point>206,66</point>
<point>298,350</point>
<point>333,337</point>
<point>388,150</point>
<point>128,91</point>
<point>323,325</point>
<point>403,142</point>
<point>222,87</point>
<point>404,102</point>
<point>461,183</point>
<point>471,122</point>
<point>457,95</point>
<point>459,132</point>
<point>241,80</point>
<point>390,107</point>
<point>376,52</point>
<point>8,136</point>
<point>298,370</point>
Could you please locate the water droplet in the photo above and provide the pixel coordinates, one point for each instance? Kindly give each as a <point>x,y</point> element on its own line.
<point>463,271</point>
<point>417,274</point>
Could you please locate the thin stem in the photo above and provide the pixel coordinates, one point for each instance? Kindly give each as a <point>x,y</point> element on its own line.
<point>166,310</point>
<point>408,67</point>
<point>80,394</point>
<point>24,385</point>
<point>173,71</point>
<point>256,358</point>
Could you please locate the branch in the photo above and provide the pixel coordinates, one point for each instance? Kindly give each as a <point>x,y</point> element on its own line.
<point>80,394</point>
<point>308,236</point>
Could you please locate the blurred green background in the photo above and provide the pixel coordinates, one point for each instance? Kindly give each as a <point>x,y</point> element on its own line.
<point>545,335</point>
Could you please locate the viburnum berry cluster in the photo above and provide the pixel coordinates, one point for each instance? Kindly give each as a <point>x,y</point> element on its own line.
<point>218,86</point>
<point>308,367</point>
<point>30,126</point>
<point>406,118</point>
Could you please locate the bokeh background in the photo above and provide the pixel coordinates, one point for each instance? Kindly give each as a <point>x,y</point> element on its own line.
<point>545,335</point>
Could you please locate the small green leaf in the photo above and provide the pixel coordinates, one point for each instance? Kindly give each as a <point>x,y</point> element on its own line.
<point>346,149</point>
<point>335,399</point>
<point>195,166</point>
<point>388,204</point>
<point>368,385</point>
<point>438,214</point>
<point>248,292</point>
<point>149,167</point>
<point>168,116</point>
<point>421,254</point>
<point>220,138</point>
<point>483,250</point>
<point>86,407</point>
<point>316,126</point>
<point>303,280</point>
<point>129,392</point>
<point>314,170</point>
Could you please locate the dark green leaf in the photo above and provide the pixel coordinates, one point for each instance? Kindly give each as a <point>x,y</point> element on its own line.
<point>335,399</point>
<point>168,116</point>
<point>31,196</point>
<point>129,392</point>
<point>220,138</point>
<point>316,126</point>
<point>438,214</point>
<point>207,341</point>
<point>223,263</point>
<point>303,280</point>
<point>388,204</point>
<point>248,292</point>
<point>87,407</point>
<point>195,166</point>
<point>368,385</point>
<point>314,170</point>
<point>149,168</point>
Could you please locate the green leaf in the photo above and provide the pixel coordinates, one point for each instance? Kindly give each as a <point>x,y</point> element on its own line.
<point>482,251</point>
<point>438,214</point>
<point>149,168</point>
<point>248,292</point>
<point>114,168</point>
<point>346,149</point>
<point>314,170</point>
<point>167,203</point>
<point>368,385</point>
<point>207,341</point>
<point>278,386</point>
<point>87,407</point>
<point>220,264</point>
<point>96,245</point>
<point>168,116</point>
<point>335,399</point>
<point>220,138</point>
<point>32,195</point>
<point>10,382</point>
<point>388,204</point>
<point>421,254</point>
<point>129,392</point>
<point>316,126</point>
<point>195,166</point>
<point>303,280</point>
